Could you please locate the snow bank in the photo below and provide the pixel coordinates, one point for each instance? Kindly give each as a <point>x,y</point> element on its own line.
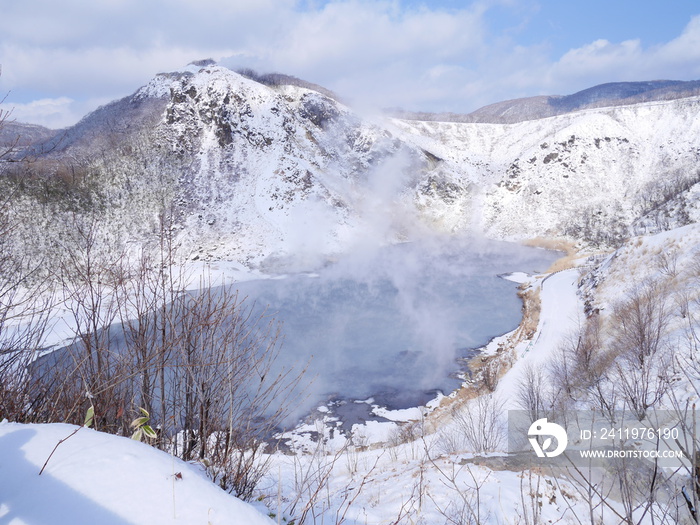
<point>100,478</point>
<point>560,316</point>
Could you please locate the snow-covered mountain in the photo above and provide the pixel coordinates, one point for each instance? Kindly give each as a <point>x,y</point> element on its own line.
<point>589,175</point>
<point>17,135</point>
<point>258,172</point>
<point>603,95</point>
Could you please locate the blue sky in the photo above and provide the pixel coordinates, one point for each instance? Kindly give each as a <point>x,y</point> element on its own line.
<point>564,25</point>
<point>60,60</point>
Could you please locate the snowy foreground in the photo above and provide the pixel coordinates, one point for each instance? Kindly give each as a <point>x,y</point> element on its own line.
<point>98,478</point>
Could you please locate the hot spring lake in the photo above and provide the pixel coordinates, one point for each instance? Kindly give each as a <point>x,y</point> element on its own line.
<point>392,324</point>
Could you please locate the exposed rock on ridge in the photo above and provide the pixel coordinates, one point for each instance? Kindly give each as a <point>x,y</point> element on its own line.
<point>260,172</point>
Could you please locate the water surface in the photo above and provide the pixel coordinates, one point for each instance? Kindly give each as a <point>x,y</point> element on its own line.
<point>393,323</point>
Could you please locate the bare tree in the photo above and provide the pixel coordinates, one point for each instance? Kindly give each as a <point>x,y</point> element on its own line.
<point>4,115</point>
<point>89,275</point>
<point>480,425</point>
<point>465,488</point>
<point>25,300</point>
<point>581,370</point>
<point>531,392</point>
<point>201,362</point>
<point>639,341</point>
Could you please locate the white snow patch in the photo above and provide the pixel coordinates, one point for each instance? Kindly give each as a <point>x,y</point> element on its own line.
<point>406,414</point>
<point>99,478</point>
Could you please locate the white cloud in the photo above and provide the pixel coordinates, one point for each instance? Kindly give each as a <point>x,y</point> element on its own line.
<point>91,73</point>
<point>376,52</point>
<point>603,61</point>
<point>383,53</point>
<point>52,113</point>
<point>599,58</point>
<point>75,24</point>
<point>682,54</point>
<point>371,34</point>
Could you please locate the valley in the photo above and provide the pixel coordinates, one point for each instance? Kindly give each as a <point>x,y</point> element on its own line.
<point>138,228</point>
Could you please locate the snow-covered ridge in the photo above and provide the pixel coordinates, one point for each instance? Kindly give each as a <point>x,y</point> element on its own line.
<point>264,172</point>
<point>282,168</point>
<point>548,177</point>
<point>543,106</point>
<point>581,175</point>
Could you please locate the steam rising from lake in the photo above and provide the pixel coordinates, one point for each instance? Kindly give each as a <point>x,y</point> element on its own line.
<point>392,323</point>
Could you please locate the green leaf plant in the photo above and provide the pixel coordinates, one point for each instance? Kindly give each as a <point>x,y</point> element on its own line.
<point>141,427</point>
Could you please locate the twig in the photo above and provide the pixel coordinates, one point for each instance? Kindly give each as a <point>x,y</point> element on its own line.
<point>57,445</point>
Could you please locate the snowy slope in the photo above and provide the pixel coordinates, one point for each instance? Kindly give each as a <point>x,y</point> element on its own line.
<point>280,171</point>
<point>276,161</point>
<point>554,176</point>
<point>98,478</point>
<point>561,315</point>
